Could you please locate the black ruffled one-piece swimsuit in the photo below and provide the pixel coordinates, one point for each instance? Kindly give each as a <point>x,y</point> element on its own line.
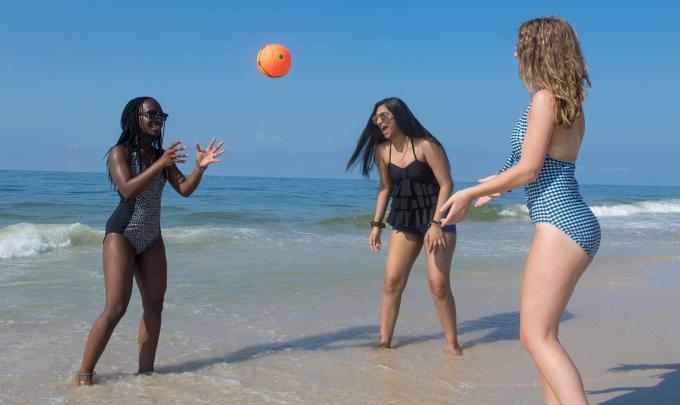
<point>414,195</point>
<point>139,219</point>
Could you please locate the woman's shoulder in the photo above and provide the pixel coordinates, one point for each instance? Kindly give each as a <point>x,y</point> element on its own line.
<point>119,152</point>
<point>427,145</point>
<point>382,148</point>
<point>543,97</point>
<point>382,153</point>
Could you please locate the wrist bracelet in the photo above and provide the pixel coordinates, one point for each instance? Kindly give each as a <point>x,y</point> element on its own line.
<point>378,224</point>
<point>435,222</point>
<point>201,169</point>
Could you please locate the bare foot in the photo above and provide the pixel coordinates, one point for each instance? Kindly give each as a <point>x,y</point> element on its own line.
<point>84,378</point>
<point>454,349</point>
<point>384,346</point>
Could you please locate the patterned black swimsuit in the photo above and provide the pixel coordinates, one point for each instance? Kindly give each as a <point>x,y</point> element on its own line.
<point>139,219</point>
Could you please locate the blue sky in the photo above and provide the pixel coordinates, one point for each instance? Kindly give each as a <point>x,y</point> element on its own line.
<point>68,68</point>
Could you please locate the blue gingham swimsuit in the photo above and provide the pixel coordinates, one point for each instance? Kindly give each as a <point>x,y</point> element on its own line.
<point>554,197</point>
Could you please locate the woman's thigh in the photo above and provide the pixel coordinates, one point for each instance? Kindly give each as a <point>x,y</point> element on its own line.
<point>401,254</point>
<point>439,263</point>
<point>554,265</point>
<point>118,258</point>
<point>152,273</point>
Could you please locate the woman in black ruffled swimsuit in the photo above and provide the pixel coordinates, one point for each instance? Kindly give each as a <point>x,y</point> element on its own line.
<point>133,245</point>
<point>414,171</point>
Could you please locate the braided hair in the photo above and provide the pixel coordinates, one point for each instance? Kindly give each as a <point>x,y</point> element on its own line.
<point>129,123</point>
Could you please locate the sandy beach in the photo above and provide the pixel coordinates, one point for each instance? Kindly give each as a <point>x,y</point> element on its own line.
<point>621,328</point>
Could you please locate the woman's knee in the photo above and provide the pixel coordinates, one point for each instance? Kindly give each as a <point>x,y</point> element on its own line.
<point>535,338</point>
<point>114,312</point>
<point>394,285</point>
<point>440,289</point>
<point>154,305</point>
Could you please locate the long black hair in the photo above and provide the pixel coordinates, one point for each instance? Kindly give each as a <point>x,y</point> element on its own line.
<point>371,136</point>
<point>131,131</point>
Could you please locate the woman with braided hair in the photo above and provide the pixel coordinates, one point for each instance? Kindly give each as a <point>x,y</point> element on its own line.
<point>138,166</point>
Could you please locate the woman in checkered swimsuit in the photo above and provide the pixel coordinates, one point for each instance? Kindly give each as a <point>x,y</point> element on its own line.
<point>545,144</point>
<point>554,198</point>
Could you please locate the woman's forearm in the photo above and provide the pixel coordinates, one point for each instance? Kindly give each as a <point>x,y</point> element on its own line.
<point>135,185</point>
<point>510,179</point>
<point>381,204</point>
<point>444,194</point>
<point>188,185</point>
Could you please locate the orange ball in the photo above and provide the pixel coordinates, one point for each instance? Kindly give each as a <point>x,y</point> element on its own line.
<point>273,60</point>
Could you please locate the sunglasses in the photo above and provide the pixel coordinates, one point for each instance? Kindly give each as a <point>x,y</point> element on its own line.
<point>154,115</point>
<point>383,116</point>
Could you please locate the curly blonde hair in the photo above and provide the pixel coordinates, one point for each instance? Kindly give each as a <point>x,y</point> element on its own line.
<point>550,58</point>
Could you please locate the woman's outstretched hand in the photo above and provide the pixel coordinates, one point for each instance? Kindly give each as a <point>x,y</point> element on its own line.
<point>457,206</point>
<point>481,201</point>
<point>206,157</point>
<point>172,154</point>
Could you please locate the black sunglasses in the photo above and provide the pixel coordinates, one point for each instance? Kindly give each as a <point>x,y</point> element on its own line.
<point>154,115</point>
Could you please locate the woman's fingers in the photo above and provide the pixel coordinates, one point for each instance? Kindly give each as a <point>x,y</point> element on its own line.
<point>481,201</point>
<point>445,207</point>
<point>448,219</point>
<point>375,245</point>
<point>174,144</point>
<point>486,199</point>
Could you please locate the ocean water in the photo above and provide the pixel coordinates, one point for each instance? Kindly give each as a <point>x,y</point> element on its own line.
<point>273,294</point>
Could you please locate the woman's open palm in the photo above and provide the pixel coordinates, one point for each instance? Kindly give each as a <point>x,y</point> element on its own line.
<point>206,157</point>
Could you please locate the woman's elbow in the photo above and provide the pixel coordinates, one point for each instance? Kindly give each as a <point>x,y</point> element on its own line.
<point>126,194</point>
<point>531,174</point>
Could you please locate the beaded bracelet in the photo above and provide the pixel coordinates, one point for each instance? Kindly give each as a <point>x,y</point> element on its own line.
<point>378,224</point>
<point>435,222</point>
<point>201,169</point>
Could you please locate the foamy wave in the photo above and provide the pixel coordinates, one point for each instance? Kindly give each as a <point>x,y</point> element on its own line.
<point>643,207</point>
<point>23,240</point>
<point>512,211</point>
<point>517,210</point>
<point>191,234</point>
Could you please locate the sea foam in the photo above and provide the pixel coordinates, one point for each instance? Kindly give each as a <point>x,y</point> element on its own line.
<point>25,239</point>
<point>637,208</point>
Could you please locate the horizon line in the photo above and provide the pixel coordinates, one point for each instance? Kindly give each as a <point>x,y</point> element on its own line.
<point>324,178</point>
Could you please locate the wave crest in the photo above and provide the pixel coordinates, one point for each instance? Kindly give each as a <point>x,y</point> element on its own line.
<point>24,239</point>
<point>637,208</point>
